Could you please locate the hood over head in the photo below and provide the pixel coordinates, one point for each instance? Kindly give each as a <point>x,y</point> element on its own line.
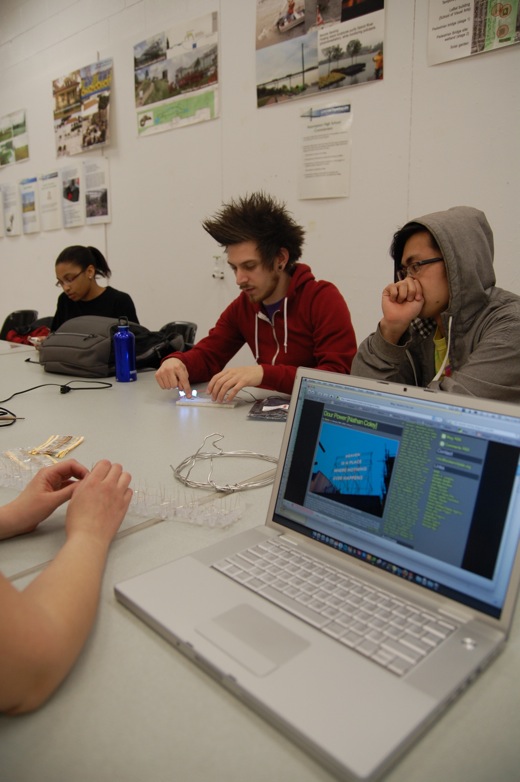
<point>465,240</point>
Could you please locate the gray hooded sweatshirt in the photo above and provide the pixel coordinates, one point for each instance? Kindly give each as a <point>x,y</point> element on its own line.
<point>482,322</point>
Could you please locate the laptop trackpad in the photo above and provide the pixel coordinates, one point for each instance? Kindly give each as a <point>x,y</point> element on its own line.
<point>253,639</point>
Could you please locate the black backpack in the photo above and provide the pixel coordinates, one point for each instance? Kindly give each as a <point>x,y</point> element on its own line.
<point>83,346</point>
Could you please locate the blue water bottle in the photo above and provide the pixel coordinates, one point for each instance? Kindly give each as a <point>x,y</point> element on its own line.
<point>124,352</point>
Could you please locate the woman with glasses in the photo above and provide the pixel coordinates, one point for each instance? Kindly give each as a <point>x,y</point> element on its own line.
<point>77,269</point>
<point>445,323</point>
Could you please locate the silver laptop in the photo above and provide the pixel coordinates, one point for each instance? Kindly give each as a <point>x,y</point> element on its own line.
<point>384,579</point>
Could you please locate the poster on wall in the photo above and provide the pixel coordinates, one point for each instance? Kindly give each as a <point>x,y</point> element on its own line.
<point>12,212</point>
<point>72,197</point>
<point>305,47</point>
<point>50,201</point>
<point>461,29</point>
<point>176,76</point>
<point>97,191</point>
<point>29,195</point>
<point>81,109</point>
<point>326,145</point>
<point>14,138</point>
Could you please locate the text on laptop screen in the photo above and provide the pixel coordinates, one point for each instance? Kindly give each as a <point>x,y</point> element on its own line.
<point>428,491</point>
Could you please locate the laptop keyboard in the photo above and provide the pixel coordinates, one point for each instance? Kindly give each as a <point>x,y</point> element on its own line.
<point>393,633</point>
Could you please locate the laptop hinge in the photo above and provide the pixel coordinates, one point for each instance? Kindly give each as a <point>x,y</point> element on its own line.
<point>460,618</point>
<point>286,537</point>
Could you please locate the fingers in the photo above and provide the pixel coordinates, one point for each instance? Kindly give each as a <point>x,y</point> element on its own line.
<point>223,386</point>
<point>61,474</point>
<point>99,502</point>
<point>173,374</point>
<point>405,290</point>
<point>103,470</point>
<point>70,469</point>
<point>111,473</point>
<point>106,479</point>
<point>224,390</point>
<point>164,376</point>
<point>401,303</point>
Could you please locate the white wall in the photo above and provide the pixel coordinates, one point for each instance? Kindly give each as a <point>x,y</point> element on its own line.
<point>424,138</point>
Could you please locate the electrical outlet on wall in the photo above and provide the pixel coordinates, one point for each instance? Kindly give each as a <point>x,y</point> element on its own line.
<point>218,267</point>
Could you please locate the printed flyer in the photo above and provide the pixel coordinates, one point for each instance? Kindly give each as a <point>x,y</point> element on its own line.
<point>305,47</point>
<point>176,76</point>
<point>29,194</point>
<point>459,29</point>
<point>97,191</point>
<point>14,139</point>
<point>73,198</point>
<point>81,109</point>
<point>326,149</point>
<point>50,205</point>
<point>12,209</point>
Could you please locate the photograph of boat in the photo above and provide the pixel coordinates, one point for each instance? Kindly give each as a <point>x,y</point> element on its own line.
<point>288,21</point>
<point>303,47</point>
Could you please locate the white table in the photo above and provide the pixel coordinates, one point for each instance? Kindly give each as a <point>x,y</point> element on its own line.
<point>7,348</point>
<point>135,709</point>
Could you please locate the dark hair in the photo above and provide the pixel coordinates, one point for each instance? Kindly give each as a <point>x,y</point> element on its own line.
<point>85,257</point>
<point>400,239</point>
<point>261,219</point>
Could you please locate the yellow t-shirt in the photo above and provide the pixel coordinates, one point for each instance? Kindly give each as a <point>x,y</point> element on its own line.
<point>440,352</point>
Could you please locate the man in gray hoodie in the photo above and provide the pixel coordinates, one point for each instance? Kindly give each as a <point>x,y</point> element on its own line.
<point>445,324</point>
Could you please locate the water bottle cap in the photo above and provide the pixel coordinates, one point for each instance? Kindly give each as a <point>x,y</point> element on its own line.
<point>122,322</point>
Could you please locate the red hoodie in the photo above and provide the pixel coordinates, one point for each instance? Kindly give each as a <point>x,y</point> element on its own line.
<point>312,328</point>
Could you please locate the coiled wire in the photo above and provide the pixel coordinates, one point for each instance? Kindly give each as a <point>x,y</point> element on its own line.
<point>264,479</point>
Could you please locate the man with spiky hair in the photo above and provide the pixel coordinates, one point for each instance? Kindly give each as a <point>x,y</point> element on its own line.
<point>286,316</point>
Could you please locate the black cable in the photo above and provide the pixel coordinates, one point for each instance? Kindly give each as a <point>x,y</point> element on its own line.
<point>245,391</point>
<point>93,385</point>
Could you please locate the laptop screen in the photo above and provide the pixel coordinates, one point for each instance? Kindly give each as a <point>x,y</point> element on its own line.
<point>426,490</point>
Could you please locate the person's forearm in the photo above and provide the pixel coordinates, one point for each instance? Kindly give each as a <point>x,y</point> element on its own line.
<point>9,520</point>
<point>22,515</point>
<point>392,332</point>
<point>4,523</point>
<point>58,610</point>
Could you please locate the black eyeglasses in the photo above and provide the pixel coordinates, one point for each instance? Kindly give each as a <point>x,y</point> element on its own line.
<point>69,280</point>
<point>414,268</point>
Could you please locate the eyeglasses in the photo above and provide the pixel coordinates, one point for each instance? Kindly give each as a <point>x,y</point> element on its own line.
<point>69,280</point>
<point>413,268</point>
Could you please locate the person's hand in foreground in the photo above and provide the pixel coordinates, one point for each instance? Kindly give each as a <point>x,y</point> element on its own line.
<point>45,626</point>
